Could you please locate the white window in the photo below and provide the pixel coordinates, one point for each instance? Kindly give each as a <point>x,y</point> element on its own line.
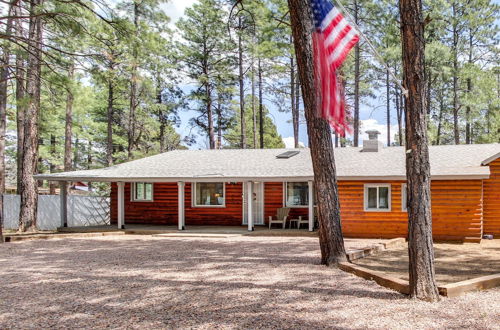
<point>209,194</point>
<point>378,197</point>
<point>404,198</point>
<point>296,194</point>
<point>143,192</point>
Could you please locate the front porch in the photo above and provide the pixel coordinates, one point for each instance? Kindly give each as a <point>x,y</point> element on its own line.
<point>233,206</point>
<point>140,229</point>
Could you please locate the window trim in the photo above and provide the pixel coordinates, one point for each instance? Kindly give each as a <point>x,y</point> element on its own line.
<point>193,196</point>
<point>285,195</point>
<point>365,197</point>
<point>133,191</point>
<point>404,201</point>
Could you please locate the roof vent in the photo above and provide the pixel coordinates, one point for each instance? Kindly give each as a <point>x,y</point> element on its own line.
<point>288,154</point>
<point>372,144</point>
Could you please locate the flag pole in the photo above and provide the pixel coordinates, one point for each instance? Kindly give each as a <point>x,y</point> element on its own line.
<point>374,50</point>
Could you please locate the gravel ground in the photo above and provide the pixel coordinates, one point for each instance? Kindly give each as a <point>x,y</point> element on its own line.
<point>453,262</point>
<point>237,282</point>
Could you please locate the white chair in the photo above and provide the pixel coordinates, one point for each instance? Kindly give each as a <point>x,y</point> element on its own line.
<point>281,216</point>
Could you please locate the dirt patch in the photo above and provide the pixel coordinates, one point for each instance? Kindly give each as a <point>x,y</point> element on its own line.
<point>453,262</point>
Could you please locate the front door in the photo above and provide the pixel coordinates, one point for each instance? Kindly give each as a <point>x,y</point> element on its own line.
<point>258,203</point>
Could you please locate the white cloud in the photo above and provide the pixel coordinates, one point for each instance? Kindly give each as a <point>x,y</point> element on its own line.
<point>290,142</point>
<point>175,9</point>
<point>373,124</point>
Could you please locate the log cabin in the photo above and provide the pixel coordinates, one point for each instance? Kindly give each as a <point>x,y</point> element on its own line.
<point>234,187</point>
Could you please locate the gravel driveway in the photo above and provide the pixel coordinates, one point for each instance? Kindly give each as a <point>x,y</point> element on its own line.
<point>237,282</point>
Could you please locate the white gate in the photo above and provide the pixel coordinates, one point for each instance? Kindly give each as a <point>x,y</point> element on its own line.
<point>82,211</point>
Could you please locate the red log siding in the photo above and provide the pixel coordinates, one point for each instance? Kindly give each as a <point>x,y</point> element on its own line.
<point>358,223</point>
<point>163,210</point>
<point>456,209</point>
<point>491,223</point>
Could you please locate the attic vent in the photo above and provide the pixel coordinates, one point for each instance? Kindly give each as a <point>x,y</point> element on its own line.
<point>288,154</point>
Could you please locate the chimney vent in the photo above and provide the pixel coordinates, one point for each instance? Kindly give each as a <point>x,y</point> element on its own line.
<point>372,144</point>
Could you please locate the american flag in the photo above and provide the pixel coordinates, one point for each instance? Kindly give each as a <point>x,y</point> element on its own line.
<point>333,38</point>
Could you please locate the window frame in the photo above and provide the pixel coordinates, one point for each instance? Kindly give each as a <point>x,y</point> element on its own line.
<point>285,195</point>
<point>404,201</point>
<point>377,185</point>
<point>193,196</point>
<point>133,196</point>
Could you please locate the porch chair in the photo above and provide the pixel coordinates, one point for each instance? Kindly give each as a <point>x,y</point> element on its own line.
<point>305,221</point>
<point>281,215</point>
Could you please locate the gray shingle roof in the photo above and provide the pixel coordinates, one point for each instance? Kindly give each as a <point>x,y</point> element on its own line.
<point>447,162</point>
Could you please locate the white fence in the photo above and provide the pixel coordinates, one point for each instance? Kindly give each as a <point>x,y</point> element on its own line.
<point>82,211</point>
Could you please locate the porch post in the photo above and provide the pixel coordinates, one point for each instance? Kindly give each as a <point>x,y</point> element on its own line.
<point>121,205</point>
<point>249,205</point>
<point>311,205</point>
<point>63,195</point>
<point>181,216</point>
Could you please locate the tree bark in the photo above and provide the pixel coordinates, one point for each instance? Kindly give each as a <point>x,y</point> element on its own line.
<point>357,59</point>
<point>399,113</point>
<point>420,247</point>
<point>110,115</point>
<point>388,106</point>
<point>254,112</point>
<point>468,124</point>
<point>440,119</point>
<point>294,106</point>
<point>243,128</point>
<point>261,106</point>
<point>4,77</point>
<point>29,189</point>
<point>68,128</point>
<point>20,96</point>
<point>133,86</point>
<point>210,119</point>
<point>52,184</point>
<point>320,140</point>
<point>456,132</point>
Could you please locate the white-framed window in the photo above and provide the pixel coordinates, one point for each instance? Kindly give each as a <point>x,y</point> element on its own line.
<point>296,194</point>
<point>209,194</point>
<point>404,198</point>
<point>142,192</point>
<point>377,197</point>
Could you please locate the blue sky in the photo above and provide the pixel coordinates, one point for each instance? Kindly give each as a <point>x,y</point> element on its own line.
<point>372,116</point>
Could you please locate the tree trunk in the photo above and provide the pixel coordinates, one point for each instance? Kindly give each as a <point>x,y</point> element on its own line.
<point>456,133</point>
<point>210,119</point>
<point>68,128</point>
<point>52,184</point>
<point>320,140</point>
<point>399,113</point>
<point>76,159</point>
<point>243,128</point>
<point>261,106</point>
<point>388,105</point>
<point>219,123</point>
<point>468,125</point>
<point>420,248</point>
<point>89,162</point>
<point>440,119</point>
<point>294,106</point>
<point>254,112</point>
<point>133,86</point>
<point>109,114</point>
<point>20,96</point>
<point>4,77</point>
<point>357,59</point>
<point>29,189</point>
